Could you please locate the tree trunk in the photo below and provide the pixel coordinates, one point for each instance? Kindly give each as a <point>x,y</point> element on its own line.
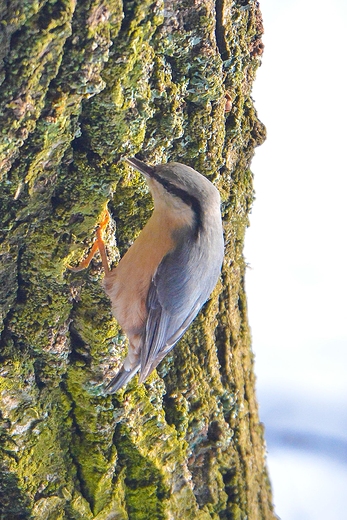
<point>84,84</point>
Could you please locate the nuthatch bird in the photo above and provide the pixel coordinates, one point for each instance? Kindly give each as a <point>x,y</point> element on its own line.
<point>165,277</point>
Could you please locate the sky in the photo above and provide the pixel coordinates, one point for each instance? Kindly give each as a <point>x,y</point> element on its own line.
<point>297,251</point>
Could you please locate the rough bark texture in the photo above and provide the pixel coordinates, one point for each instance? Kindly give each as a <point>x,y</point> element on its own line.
<point>83,84</point>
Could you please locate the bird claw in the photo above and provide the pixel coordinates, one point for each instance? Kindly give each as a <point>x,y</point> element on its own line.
<point>99,245</point>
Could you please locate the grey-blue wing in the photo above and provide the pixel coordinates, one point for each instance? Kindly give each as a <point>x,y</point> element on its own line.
<point>180,286</point>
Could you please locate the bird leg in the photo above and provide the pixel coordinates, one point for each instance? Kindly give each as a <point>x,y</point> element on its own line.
<point>99,245</point>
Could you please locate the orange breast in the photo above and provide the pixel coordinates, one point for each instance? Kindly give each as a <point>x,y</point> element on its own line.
<point>127,285</point>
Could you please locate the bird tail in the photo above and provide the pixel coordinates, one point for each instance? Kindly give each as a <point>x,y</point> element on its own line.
<point>122,378</point>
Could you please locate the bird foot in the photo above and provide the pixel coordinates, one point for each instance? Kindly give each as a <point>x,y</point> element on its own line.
<point>99,245</point>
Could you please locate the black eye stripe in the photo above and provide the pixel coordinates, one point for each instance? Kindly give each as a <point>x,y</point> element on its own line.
<point>188,199</point>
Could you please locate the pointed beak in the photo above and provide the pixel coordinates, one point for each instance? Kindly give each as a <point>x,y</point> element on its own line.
<point>140,166</point>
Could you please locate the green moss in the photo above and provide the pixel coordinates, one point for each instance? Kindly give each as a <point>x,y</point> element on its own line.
<point>51,508</point>
<point>33,62</point>
<point>14,504</point>
<point>145,489</point>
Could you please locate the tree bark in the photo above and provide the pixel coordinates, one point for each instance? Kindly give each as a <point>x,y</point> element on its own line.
<point>82,85</point>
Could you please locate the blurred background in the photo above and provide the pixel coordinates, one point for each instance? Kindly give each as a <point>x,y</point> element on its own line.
<point>297,252</point>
